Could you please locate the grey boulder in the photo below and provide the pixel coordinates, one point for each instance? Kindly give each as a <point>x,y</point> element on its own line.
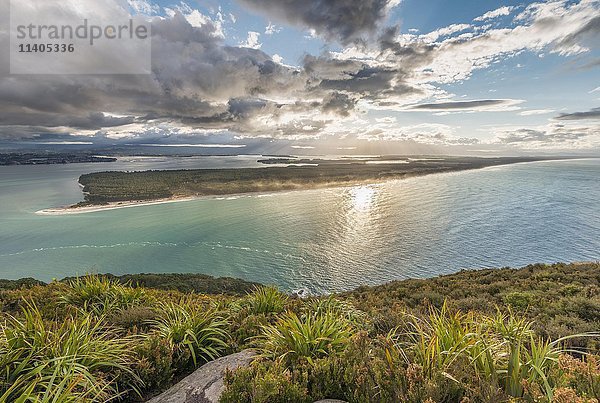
<point>204,385</point>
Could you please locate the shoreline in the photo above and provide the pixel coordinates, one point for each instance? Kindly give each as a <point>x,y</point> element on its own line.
<point>212,277</point>
<point>70,210</point>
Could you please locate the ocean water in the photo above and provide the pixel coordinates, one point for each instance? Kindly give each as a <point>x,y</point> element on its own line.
<point>322,240</point>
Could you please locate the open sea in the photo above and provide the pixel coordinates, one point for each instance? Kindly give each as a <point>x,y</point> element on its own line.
<point>321,240</point>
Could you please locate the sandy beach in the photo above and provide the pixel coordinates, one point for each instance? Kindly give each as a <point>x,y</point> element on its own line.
<point>67,210</point>
<point>112,206</point>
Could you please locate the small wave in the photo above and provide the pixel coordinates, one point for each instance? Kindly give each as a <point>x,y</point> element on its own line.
<point>85,246</point>
<point>212,245</point>
<point>247,249</point>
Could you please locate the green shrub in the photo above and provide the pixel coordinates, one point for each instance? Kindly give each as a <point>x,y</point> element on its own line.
<point>246,327</point>
<point>519,300</point>
<point>349,375</point>
<point>100,295</point>
<point>571,290</point>
<point>45,298</point>
<point>339,308</point>
<point>134,319</point>
<point>585,308</point>
<point>195,334</point>
<point>583,376</point>
<point>265,300</point>
<point>309,336</point>
<point>154,363</point>
<point>360,373</point>
<point>263,383</point>
<point>501,351</point>
<point>446,339</point>
<point>79,359</point>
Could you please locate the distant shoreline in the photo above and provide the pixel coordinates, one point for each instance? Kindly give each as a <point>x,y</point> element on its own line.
<point>67,210</point>
<point>73,209</point>
<point>113,205</point>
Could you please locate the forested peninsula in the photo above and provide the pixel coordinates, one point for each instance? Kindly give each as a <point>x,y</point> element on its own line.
<point>104,188</point>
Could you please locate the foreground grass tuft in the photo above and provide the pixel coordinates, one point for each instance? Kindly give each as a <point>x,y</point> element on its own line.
<point>97,294</point>
<point>195,334</point>
<point>265,300</point>
<point>309,336</point>
<point>79,359</point>
<point>505,335</point>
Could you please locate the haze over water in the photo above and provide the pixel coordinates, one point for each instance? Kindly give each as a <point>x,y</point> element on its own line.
<point>323,240</point>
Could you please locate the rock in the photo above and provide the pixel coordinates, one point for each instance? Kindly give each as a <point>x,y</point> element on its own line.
<point>301,293</point>
<point>204,385</point>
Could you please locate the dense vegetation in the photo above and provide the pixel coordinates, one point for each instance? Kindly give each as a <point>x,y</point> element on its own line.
<point>476,336</point>
<point>186,283</point>
<point>105,187</point>
<point>46,158</point>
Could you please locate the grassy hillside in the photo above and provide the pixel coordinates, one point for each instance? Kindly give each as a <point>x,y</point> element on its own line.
<point>560,299</point>
<point>475,336</point>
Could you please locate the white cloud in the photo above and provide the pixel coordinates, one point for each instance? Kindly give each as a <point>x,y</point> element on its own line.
<point>499,12</point>
<point>277,58</point>
<point>252,41</point>
<point>197,19</point>
<point>530,112</point>
<point>597,89</point>
<point>271,29</point>
<point>144,7</point>
<point>387,119</point>
<point>390,130</point>
<point>312,34</point>
<point>550,136</point>
<point>546,26</point>
<point>445,31</point>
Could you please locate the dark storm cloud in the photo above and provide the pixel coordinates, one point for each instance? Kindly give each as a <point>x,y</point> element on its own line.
<point>326,74</point>
<point>326,67</point>
<point>339,103</point>
<point>91,121</point>
<point>591,114</point>
<point>343,20</point>
<point>204,68</point>
<point>413,54</point>
<point>365,81</point>
<point>196,79</point>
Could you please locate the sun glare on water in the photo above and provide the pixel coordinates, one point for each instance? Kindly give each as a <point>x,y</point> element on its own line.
<point>362,197</point>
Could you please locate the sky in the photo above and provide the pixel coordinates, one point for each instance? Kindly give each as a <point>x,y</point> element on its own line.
<point>327,77</point>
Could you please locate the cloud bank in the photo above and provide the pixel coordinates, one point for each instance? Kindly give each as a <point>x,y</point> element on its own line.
<point>342,20</point>
<point>201,84</point>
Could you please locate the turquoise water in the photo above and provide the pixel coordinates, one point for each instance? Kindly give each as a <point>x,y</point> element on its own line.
<point>322,240</point>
